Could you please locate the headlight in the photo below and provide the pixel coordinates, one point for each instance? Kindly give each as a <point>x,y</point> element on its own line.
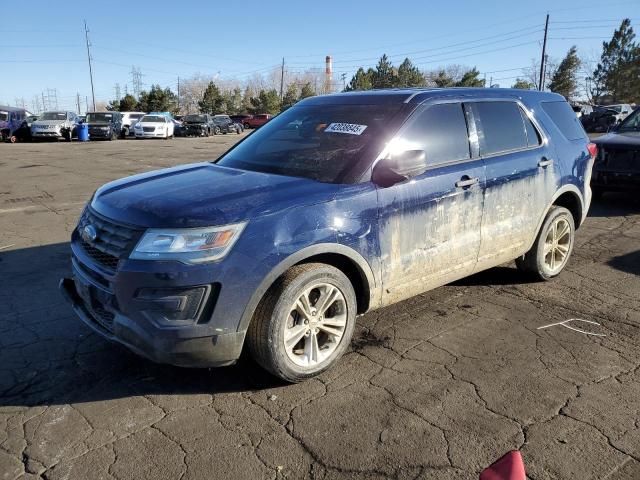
<point>188,245</point>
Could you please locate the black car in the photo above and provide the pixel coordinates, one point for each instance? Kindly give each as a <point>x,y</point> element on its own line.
<point>104,125</point>
<point>617,166</point>
<point>224,124</point>
<point>197,125</point>
<point>601,119</point>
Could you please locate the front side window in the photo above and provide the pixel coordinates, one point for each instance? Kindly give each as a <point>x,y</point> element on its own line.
<point>500,127</point>
<point>439,130</point>
<point>326,143</point>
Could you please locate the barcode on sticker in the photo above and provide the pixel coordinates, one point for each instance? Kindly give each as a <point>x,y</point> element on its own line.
<point>350,128</point>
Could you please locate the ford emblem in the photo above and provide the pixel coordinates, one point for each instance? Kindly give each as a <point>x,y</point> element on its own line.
<point>89,233</point>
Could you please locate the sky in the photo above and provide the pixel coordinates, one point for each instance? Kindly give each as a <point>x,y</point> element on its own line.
<point>43,50</point>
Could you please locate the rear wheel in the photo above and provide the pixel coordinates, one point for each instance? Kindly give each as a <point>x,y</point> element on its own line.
<point>216,131</point>
<point>553,246</point>
<point>304,323</point>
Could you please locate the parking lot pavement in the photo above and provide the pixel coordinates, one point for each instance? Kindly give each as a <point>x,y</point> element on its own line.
<point>438,386</point>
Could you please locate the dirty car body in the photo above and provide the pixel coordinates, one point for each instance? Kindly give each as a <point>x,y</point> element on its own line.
<point>306,190</point>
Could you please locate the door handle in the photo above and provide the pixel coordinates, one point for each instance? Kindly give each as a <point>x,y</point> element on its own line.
<point>544,162</point>
<point>466,182</point>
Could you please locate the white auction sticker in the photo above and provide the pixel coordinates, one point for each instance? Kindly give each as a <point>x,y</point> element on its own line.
<point>350,128</point>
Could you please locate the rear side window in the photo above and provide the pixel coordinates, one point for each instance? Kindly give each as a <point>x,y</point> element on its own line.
<point>441,131</point>
<point>500,127</point>
<point>533,137</point>
<point>565,119</point>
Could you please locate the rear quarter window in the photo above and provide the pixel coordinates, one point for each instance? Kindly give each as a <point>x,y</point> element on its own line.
<point>565,119</point>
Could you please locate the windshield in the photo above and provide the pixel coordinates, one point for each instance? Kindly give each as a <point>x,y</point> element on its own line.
<point>617,108</point>
<point>136,116</point>
<point>632,122</point>
<point>99,117</point>
<point>152,119</point>
<point>320,142</point>
<point>53,116</point>
<point>195,119</point>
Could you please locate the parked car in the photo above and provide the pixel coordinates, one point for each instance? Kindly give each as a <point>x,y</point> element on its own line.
<point>601,119</point>
<point>55,125</point>
<point>617,166</point>
<point>256,121</point>
<point>32,118</point>
<point>342,204</point>
<point>11,119</point>
<point>623,111</point>
<point>224,124</point>
<point>240,119</point>
<point>178,128</point>
<point>154,126</point>
<point>198,125</point>
<point>582,110</point>
<point>104,125</point>
<point>129,119</point>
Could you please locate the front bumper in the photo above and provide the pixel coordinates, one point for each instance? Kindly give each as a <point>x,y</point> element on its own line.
<point>95,134</point>
<point>111,304</point>
<point>149,134</point>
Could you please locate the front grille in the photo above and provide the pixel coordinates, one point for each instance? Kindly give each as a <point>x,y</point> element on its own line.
<point>106,260</point>
<point>113,240</point>
<point>148,129</point>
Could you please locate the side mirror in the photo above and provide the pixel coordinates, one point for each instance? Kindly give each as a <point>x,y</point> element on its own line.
<point>399,168</point>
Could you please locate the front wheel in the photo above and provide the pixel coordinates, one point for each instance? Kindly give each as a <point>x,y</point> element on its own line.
<point>216,131</point>
<point>553,246</point>
<point>304,323</point>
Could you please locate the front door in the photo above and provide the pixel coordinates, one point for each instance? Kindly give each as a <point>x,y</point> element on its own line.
<point>430,225</point>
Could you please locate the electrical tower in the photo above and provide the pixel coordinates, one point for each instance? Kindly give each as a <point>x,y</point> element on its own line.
<point>117,89</point>
<point>136,80</point>
<point>50,99</point>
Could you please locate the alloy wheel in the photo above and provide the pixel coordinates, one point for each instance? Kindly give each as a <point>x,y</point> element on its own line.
<point>316,325</point>
<point>557,245</point>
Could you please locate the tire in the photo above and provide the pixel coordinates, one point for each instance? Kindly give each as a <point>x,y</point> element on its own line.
<point>247,126</point>
<point>166,134</point>
<point>545,266</point>
<point>125,133</point>
<point>216,131</point>
<point>13,139</point>
<point>67,136</point>
<point>113,136</point>
<point>277,315</point>
<point>207,132</point>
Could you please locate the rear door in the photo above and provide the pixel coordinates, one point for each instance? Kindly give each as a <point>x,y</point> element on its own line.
<point>520,172</point>
<point>429,226</point>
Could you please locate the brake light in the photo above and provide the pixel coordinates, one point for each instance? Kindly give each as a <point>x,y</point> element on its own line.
<point>593,150</point>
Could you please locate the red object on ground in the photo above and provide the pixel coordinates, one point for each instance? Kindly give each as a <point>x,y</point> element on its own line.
<point>509,467</point>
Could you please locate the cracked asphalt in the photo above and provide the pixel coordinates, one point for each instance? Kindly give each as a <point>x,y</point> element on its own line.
<point>438,386</point>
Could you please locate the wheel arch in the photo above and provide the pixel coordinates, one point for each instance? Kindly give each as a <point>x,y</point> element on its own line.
<point>345,259</point>
<point>570,197</point>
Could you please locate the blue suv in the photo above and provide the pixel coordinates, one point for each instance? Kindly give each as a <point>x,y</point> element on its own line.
<point>340,205</point>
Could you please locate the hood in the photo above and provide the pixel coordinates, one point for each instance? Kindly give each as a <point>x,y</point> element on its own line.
<point>621,140</point>
<point>204,194</point>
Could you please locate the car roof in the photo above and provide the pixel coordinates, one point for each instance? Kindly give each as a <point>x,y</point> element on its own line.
<point>419,95</point>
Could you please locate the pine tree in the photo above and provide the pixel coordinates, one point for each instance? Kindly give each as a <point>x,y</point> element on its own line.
<point>409,75</point>
<point>360,81</point>
<point>384,76</point>
<point>158,99</point>
<point>618,73</point>
<point>443,80</point>
<point>565,77</point>
<point>306,91</point>
<point>266,102</point>
<point>470,79</point>
<point>523,84</point>
<point>290,96</point>
<point>212,101</point>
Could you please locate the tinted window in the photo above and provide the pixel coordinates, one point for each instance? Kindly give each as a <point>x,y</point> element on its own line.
<point>533,137</point>
<point>441,131</point>
<point>500,127</point>
<point>565,119</point>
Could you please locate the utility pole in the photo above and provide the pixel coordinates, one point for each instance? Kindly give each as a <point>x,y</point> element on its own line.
<point>282,80</point>
<point>78,101</point>
<point>544,73</point>
<point>178,94</point>
<point>86,38</point>
<point>344,81</point>
<point>543,59</point>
